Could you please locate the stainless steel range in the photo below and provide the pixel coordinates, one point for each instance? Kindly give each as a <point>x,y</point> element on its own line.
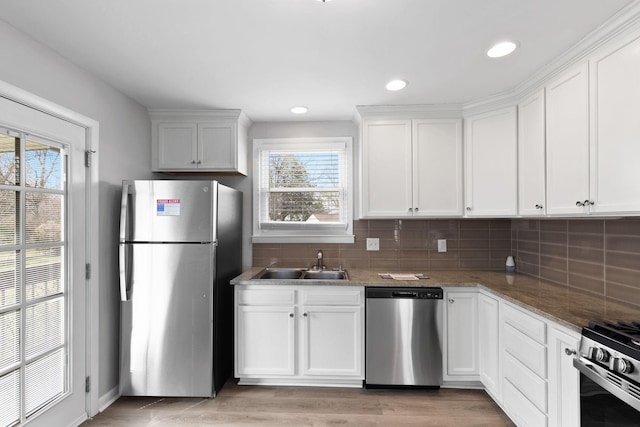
<point>609,365</point>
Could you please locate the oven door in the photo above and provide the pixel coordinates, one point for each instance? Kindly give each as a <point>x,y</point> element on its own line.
<point>604,399</point>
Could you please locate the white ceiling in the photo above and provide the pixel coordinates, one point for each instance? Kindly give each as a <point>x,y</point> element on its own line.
<point>266,56</point>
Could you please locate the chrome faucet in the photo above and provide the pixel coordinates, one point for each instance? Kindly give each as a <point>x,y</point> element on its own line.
<point>319,256</point>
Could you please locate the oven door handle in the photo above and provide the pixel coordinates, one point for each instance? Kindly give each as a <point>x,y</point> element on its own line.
<point>591,371</point>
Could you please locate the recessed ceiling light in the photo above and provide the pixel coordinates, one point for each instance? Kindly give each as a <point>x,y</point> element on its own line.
<point>502,49</point>
<point>299,110</point>
<point>396,84</point>
<point>324,1</point>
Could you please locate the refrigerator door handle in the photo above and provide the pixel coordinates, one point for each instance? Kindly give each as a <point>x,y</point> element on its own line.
<point>122,250</point>
<point>123,261</point>
<point>124,207</point>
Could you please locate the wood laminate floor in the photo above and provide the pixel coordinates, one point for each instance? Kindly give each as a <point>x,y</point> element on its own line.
<point>308,406</point>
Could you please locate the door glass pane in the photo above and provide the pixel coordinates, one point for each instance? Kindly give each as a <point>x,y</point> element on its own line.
<point>43,217</point>
<point>9,398</point>
<point>44,327</point>
<point>44,380</point>
<point>43,166</point>
<point>10,336</point>
<point>9,223</point>
<point>9,159</point>
<point>43,273</point>
<point>9,278</point>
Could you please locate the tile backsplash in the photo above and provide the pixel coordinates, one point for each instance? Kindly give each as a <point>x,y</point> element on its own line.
<point>601,256</point>
<point>409,245</point>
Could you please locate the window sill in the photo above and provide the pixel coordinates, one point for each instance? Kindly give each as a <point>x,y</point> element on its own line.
<point>350,239</point>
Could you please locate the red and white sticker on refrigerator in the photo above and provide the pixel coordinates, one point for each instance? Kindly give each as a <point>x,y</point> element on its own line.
<point>167,207</point>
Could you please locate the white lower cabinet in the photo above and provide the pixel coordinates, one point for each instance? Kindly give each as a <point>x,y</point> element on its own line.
<point>564,379</point>
<point>299,335</point>
<point>489,356</point>
<point>461,360</point>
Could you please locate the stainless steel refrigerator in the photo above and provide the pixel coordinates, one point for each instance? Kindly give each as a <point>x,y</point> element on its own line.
<point>180,245</point>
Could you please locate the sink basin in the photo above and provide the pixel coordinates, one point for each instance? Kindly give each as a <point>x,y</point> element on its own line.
<point>280,273</point>
<point>300,273</point>
<point>325,275</point>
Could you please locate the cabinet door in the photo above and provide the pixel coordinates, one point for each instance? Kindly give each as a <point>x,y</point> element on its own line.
<point>437,167</point>
<point>489,360</point>
<point>615,130</point>
<point>564,379</point>
<point>265,340</point>
<point>177,144</point>
<point>332,340</point>
<point>217,149</point>
<point>462,335</point>
<point>491,163</point>
<point>386,169</point>
<point>531,153</point>
<point>567,117</point>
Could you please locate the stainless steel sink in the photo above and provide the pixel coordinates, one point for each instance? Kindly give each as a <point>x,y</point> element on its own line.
<point>301,273</point>
<point>280,273</point>
<point>325,275</point>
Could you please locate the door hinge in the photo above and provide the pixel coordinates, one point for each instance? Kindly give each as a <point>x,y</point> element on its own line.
<point>87,158</point>
<point>87,271</point>
<point>87,384</point>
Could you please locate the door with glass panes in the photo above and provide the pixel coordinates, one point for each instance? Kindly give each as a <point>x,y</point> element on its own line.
<point>42,295</point>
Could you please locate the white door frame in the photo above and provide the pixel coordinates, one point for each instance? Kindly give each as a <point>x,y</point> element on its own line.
<point>92,211</point>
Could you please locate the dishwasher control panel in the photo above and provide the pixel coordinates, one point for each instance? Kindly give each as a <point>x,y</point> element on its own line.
<point>405,293</point>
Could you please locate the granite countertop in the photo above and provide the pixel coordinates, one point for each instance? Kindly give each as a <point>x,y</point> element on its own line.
<point>567,306</point>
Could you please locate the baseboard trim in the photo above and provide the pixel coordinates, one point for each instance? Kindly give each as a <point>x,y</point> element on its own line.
<point>108,398</point>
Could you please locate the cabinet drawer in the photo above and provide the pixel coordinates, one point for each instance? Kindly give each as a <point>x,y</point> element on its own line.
<point>332,296</point>
<point>525,323</point>
<point>265,297</point>
<point>531,385</point>
<point>528,352</point>
<point>520,409</point>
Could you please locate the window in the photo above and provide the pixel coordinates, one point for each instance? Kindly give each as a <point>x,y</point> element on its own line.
<point>302,190</point>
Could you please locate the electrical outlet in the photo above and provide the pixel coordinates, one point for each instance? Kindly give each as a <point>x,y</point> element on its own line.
<point>442,245</point>
<point>373,244</point>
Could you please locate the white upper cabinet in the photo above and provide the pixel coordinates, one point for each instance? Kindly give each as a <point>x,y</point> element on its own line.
<point>386,169</point>
<point>615,127</point>
<point>437,167</point>
<point>199,141</point>
<point>531,156</point>
<point>567,101</point>
<point>411,168</point>
<point>490,163</point>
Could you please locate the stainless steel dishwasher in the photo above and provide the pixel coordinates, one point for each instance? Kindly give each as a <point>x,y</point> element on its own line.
<point>403,337</point>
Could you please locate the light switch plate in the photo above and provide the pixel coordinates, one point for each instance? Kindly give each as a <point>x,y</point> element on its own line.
<point>373,244</point>
<point>442,245</point>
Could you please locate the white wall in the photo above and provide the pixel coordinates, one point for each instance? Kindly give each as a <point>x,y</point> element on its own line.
<point>125,153</point>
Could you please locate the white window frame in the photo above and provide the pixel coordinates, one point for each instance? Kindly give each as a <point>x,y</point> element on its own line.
<point>302,232</point>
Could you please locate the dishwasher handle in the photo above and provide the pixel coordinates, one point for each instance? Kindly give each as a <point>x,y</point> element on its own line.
<point>401,294</point>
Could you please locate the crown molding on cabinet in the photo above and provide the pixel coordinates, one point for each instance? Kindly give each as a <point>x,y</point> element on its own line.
<point>199,115</point>
<point>416,111</point>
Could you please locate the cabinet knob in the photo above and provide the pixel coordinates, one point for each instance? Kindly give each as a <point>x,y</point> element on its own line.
<point>569,352</point>
<point>290,314</point>
<point>579,203</point>
<point>451,300</point>
<point>415,209</point>
<point>305,314</point>
<point>410,209</point>
<point>589,202</point>
<point>193,162</point>
<point>539,206</point>
<point>199,161</point>
<point>468,208</point>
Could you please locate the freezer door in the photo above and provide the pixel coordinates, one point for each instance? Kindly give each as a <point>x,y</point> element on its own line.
<point>167,211</point>
<point>166,325</point>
